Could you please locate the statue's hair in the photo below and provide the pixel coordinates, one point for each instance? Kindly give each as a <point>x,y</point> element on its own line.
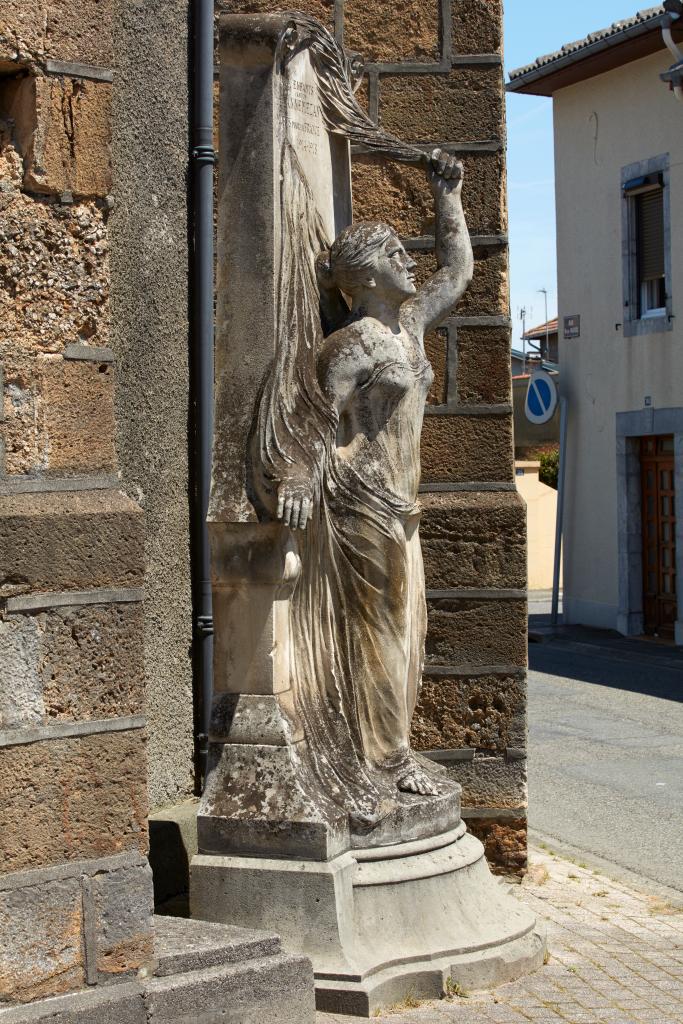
<point>353,253</point>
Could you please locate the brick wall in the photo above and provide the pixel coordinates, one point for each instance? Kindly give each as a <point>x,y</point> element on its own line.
<point>75,888</point>
<point>434,76</point>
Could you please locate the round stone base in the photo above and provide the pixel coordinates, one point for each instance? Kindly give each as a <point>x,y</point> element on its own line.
<point>380,925</point>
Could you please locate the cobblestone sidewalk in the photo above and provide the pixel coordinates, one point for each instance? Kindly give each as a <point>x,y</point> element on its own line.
<point>615,957</point>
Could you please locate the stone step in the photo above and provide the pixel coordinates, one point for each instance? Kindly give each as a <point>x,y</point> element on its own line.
<point>276,989</point>
<point>183,945</point>
<point>207,974</point>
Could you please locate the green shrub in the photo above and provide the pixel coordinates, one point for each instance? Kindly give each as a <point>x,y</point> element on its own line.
<point>550,462</point>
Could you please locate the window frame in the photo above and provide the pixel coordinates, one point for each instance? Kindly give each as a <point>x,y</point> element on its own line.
<point>661,319</point>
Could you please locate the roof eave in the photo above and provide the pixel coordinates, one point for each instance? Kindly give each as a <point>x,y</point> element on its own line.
<point>595,58</point>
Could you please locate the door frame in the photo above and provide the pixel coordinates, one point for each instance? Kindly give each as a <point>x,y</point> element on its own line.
<point>630,427</point>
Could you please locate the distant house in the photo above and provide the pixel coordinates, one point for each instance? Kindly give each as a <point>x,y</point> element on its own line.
<point>542,341</point>
<point>539,349</point>
<point>619,196</point>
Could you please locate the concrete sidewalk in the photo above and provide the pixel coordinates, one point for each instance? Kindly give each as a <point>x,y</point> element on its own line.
<point>615,957</point>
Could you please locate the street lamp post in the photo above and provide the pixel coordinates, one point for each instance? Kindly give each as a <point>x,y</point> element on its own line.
<point>544,293</point>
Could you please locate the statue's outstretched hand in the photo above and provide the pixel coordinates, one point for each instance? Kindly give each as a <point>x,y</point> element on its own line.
<point>295,502</point>
<point>444,171</point>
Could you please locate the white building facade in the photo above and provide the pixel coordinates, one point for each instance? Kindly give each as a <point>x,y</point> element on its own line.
<point>619,206</point>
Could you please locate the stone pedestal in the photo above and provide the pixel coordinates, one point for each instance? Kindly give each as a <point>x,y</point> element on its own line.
<point>381,923</point>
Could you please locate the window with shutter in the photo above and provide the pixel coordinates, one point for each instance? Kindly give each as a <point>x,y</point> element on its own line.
<point>649,217</point>
<point>646,247</point>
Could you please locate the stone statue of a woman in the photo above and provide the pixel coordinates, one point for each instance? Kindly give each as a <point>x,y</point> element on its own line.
<point>346,481</point>
<point>317,820</point>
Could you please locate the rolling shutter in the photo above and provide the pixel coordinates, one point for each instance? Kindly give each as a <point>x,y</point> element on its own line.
<point>650,228</point>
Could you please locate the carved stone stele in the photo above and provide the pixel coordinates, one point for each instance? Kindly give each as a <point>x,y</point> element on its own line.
<point>318,819</point>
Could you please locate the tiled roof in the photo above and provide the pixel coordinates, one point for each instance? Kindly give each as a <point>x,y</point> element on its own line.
<point>539,331</point>
<point>596,40</point>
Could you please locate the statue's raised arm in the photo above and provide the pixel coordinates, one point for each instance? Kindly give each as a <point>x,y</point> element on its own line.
<point>440,293</point>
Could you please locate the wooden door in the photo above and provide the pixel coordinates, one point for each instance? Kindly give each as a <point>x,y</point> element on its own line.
<point>659,533</point>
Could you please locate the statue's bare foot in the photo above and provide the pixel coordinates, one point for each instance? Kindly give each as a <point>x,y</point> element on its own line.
<point>417,781</point>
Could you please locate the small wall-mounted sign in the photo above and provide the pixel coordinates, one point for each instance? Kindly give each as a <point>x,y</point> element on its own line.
<point>572,326</point>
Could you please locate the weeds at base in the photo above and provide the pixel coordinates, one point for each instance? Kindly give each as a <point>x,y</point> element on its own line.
<point>411,1002</point>
<point>454,990</point>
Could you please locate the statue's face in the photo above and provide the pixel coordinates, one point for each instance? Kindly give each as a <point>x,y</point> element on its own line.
<point>393,270</point>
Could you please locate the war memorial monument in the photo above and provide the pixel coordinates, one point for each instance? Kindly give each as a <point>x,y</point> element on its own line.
<point>318,821</point>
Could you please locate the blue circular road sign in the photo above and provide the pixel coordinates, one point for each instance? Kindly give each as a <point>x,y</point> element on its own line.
<point>541,397</point>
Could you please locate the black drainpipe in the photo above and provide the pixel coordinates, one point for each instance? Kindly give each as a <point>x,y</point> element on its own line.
<point>203,159</point>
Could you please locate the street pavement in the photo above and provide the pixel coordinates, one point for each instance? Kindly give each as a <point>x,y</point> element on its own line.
<point>615,957</point>
<point>606,751</point>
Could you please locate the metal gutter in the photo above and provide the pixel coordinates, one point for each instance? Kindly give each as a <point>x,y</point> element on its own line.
<point>203,159</point>
<point>674,76</point>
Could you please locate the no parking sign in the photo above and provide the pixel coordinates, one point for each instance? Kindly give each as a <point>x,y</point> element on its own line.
<point>541,397</point>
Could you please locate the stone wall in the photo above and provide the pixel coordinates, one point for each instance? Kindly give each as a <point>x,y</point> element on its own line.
<point>150,277</point>
<point>434,76</point>
<point>95,266</point>
<point>75,888</point>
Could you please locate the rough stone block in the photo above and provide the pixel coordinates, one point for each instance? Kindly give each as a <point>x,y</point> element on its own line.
<point>483,193</point>
<point>436,349</point>
<point>124,916</point>
<point>490,782</point>
<point>36,29</point>
<point>73,799</point>
<point>485,712</point>
<point>463,448</point>
<point>73,540</point>
<point>21,698</point>
<point>483,373</point>
<point>488,291</point>
<point>477,26</point>
<point>54,265</point>
<point>54,261</point>
<point>413,36</point>
<point>395,193</point>
<point>69,147</point>
<point>467,631</point>
<point>40,948</point>
<point>77,427</point>
<point>59,415</point>
<point>399,194</point>
<point>92,661</point>
<point>505,843</point>
<point>465,105</point>
<point>472,539</point>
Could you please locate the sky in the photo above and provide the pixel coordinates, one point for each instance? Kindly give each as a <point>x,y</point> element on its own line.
<point>533,28</point>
